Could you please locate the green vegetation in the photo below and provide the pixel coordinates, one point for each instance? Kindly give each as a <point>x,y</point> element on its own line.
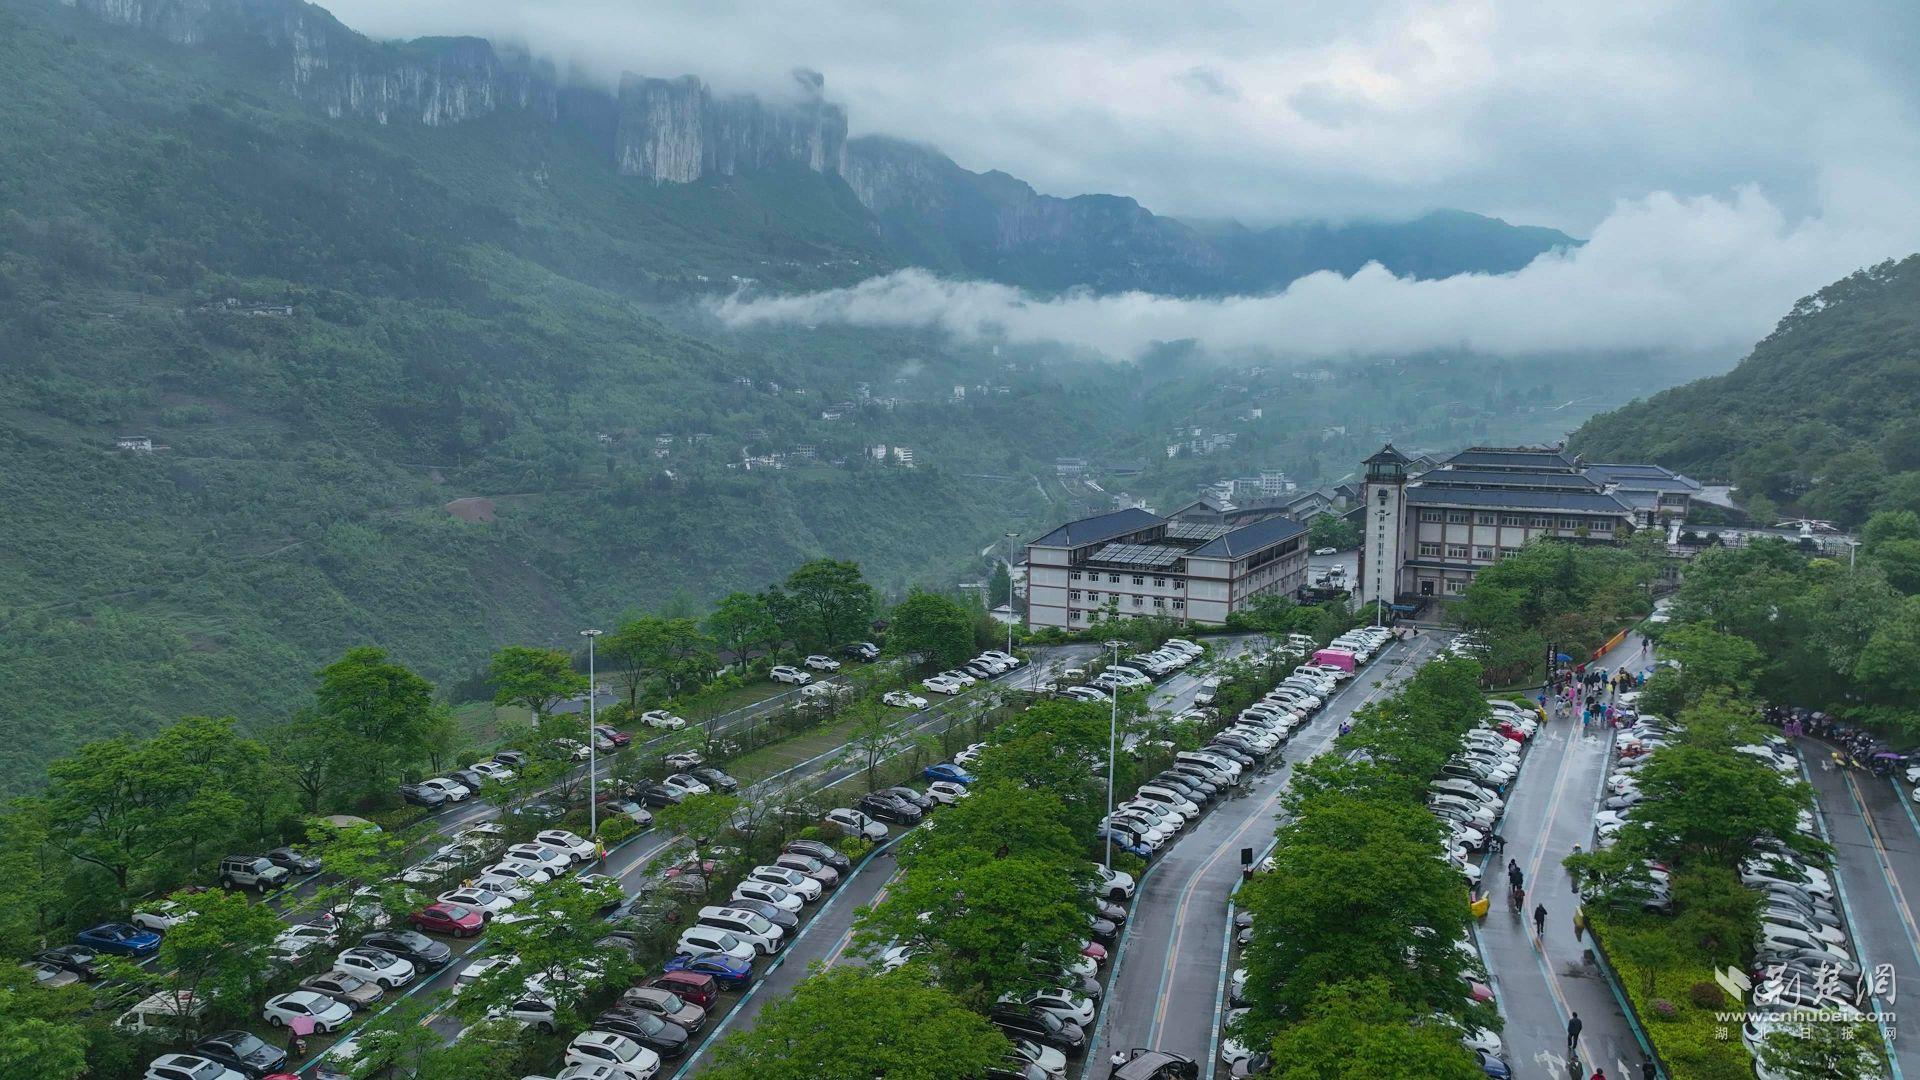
<point>1818,419</point>
<point>1570,595</point>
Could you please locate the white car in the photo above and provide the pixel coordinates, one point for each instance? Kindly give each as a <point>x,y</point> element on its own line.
<point>822,663</point>
<point>960,677</point>
<point>946,792</point>
<point>789,879</point>
<point>1113,884</point>
<point>569,844</point>
<point>454,790</point>
<point>627,1059</point>
<point>684,784</point>
<point>1070,1007</point>
<point>326,1013</point>
<point>940,684</point>
<point>511,886</point>
<point>161,917</point>
<point>189,1067</point>
<point>783,674</point>
<point>711,939</point>
<point>493,771</point>
<point>855,823</point>
<point>1232,1050</point>
<point>479,969</point>
<point>661,718</point>
<point>768,893</point>
<point>375,965</point>
<point>900,699</point>
<point>1006,658</point>
<point>484,901</point>
<point>309,933</point>
<point>574,748</point>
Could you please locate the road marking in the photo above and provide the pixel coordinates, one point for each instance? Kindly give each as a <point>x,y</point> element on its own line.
<point>1846,908</point>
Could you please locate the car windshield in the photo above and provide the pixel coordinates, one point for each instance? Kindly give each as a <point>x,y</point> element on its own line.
<point>727,942</point>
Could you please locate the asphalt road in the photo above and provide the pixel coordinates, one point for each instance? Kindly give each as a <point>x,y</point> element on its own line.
<point>1876,847</point>
<point>1538,983</point>
<point>1168,973</point>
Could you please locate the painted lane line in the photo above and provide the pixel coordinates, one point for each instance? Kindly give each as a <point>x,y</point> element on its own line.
<point>1846,909</point>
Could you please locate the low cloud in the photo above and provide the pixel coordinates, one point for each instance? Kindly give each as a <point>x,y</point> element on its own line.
<point>1659,273</point>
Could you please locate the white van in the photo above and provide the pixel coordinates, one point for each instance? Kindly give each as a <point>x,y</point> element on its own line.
<point>169,1014</point>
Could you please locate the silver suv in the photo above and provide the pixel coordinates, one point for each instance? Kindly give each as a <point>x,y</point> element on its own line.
<point>251,872</point>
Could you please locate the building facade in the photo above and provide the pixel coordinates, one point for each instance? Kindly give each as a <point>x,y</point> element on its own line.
<point>1134,562</point>
<point>1430,531</point>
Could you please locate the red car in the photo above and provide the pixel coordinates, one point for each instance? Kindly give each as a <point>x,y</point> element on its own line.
<point>702,990</point>
<point>617,738</point>
<point>1095,952</point>
<point>448,919</point>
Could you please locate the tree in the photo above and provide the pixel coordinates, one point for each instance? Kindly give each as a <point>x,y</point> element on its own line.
<point>1056,747</point>
<point>559,944</point>
<point>673,651</point>
<point>706,820</point>
<point>1823,1049</point>
<point>1334,531</point>
<point>1356,1030</point>
<point>1712,804</point>
<point>42,1032</point>
<point>847,1024</point>
<point>933,626</point>
<point>1000,586</point>
<point>32,872</point>
<point>373,716</point>
<point>215,957</point>
<point>534,679</point>
<point>872,737</point>
<point>982,920</point>
<point>741,622</point>
<point>823,603</point>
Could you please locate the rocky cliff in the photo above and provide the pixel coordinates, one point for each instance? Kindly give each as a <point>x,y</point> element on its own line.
<point>677,130</point>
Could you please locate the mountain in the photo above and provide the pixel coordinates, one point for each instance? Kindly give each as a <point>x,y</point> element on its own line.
<point>926,209</point>
<point>1819,417</point>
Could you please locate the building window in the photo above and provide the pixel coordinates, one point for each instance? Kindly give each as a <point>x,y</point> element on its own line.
<point>1138,580</point>
<point>1178,584</point>
<point>1159,583</point>
<point>1569,523</point>
<point>1513,519</point>
<point>1455,586</point>
<point>1483,519</point>
<point>1179,605</point>
<point>1113,579</point>
<point>1075,615</point>
<point>1136,601</point>
<point>1456,517</point>
<point>1456,551</point>
<point>1542,522</point>
<point>1430,549</point>
<point>1075,575</point>
<point>1431,516</point>
<point>1483,553</point>
<point>1093,597</point>
<point>1159,603</point>
<point>1073,594</point>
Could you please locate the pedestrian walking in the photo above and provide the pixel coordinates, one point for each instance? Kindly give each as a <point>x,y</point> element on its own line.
<point>1573,1031</point>
<point>1579,923</point>
<point>1599,1074</point>
<point>1514,876</point>
<point>1540,920</point>
<point>1648,1071</point>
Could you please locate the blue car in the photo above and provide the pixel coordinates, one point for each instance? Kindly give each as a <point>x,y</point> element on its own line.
<point>728,972</point>
<point>1493,1066</point>
<point>1125,843</point>
<point>947,770</point>
<point>121,939</point>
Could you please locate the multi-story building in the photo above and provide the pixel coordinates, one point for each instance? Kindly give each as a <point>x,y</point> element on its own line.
<point>1428,532</point>
<point>1133,562</point>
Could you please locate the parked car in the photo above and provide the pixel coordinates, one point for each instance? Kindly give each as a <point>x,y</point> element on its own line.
<point>685,784</point>
<point>854,823</point>
<point>900,699</point>
<point>703,940</point>
<point>715,779</point>
<point>655,795</point>
<point>569,845</point>
<point>948,771</point>
<point>613,735</point>
<point>243,1052</point>
<point>293,861</point>
<point>941,684</point>
<point>409,945</point>
<point>649,1029</point>
<point>817,662</point>
<point>325,1013</point>
<point>661,718</point>
<point>494,771</point>
<point>667,1005</point>
<point>189,1067</point>
<point>251,872</point>
<point>861,650</point>
<point>946,792</point>
<point>119,939</point>
<point>456,920</point>
<point>421,795</point>
<point>886,807</point>
<point>793,676</point>
<point>351,990</point>
<point>693,987</point>
<point>728,971</point>
<point>161,917</point>
<point>826,853</point>
<point>789,879</point>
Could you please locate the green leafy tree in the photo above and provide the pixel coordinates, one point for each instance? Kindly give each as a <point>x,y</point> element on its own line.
<point>1334,531</point>
<point>559,944</point>
<point>742,622</point>
<point>999,586</point>
<point>1056,747</point>
<point>215,957</point>
<point>674,651</point>
<point>42,1033</point>
<point>374,716</point>
<point>874,735</point>
<point>1358,1030</point>
<point>823,603</point>
<point>847,1024</point>
<point>933,626</point>
<point>1711,804</point>
<point>534,679</point>
<point>1823,1049</point>
<point>32,873</point>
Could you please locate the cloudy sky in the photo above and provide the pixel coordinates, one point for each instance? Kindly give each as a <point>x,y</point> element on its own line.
<point>1780,140</point>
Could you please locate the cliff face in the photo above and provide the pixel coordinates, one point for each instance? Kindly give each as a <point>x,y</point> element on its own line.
<point>668,130</point>
<point>676,130</point>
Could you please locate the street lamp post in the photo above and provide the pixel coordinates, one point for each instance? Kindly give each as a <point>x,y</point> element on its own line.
<point>1853,549</point>
<point>593,761</point>
<point>1113,730</point>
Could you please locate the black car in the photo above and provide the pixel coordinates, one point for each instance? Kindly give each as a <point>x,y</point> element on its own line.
<point>431,798</point>
<point>924,802</point>
<point>716,779</point>
<point>1103,930</point>
<point>293,862</point>
<point>1239,749</point>
<point>886,807</point>
<point>410,945</point>
<point>512,759</point>
<point>78,959</point>
<point>1026,1022</point>
<point>543,812</point>
<point>648,793</point>
<point>826,853</point>
<point>785,920</point>
<point>861,650</point>
<point>663,1037</point>
<point>469,779</point>
<point>243,1052</point>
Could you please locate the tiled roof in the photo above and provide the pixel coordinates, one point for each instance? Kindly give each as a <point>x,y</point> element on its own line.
<point>1644,477</point>
<point>1510,457</point>
<point>1097,528</point>
<point>1588,502</point>
<point>1509,478</point>
<point>1248,539</point>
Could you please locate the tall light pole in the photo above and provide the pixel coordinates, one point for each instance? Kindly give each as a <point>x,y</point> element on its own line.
<point>1853,549</point>
<point>593,738</point>
<point>1113,730</point>
<point>1010,594</point>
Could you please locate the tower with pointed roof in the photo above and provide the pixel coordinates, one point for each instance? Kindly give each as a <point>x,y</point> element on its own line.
<point>1385,493</point>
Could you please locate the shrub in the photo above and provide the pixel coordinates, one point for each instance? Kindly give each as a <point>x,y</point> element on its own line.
<point>1706,995</point>
<point>617,828</point>
<point>1664,1009</point>
<point>854,848</point>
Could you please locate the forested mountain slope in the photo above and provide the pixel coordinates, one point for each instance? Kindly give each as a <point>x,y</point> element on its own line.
<point>1823,416</point>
